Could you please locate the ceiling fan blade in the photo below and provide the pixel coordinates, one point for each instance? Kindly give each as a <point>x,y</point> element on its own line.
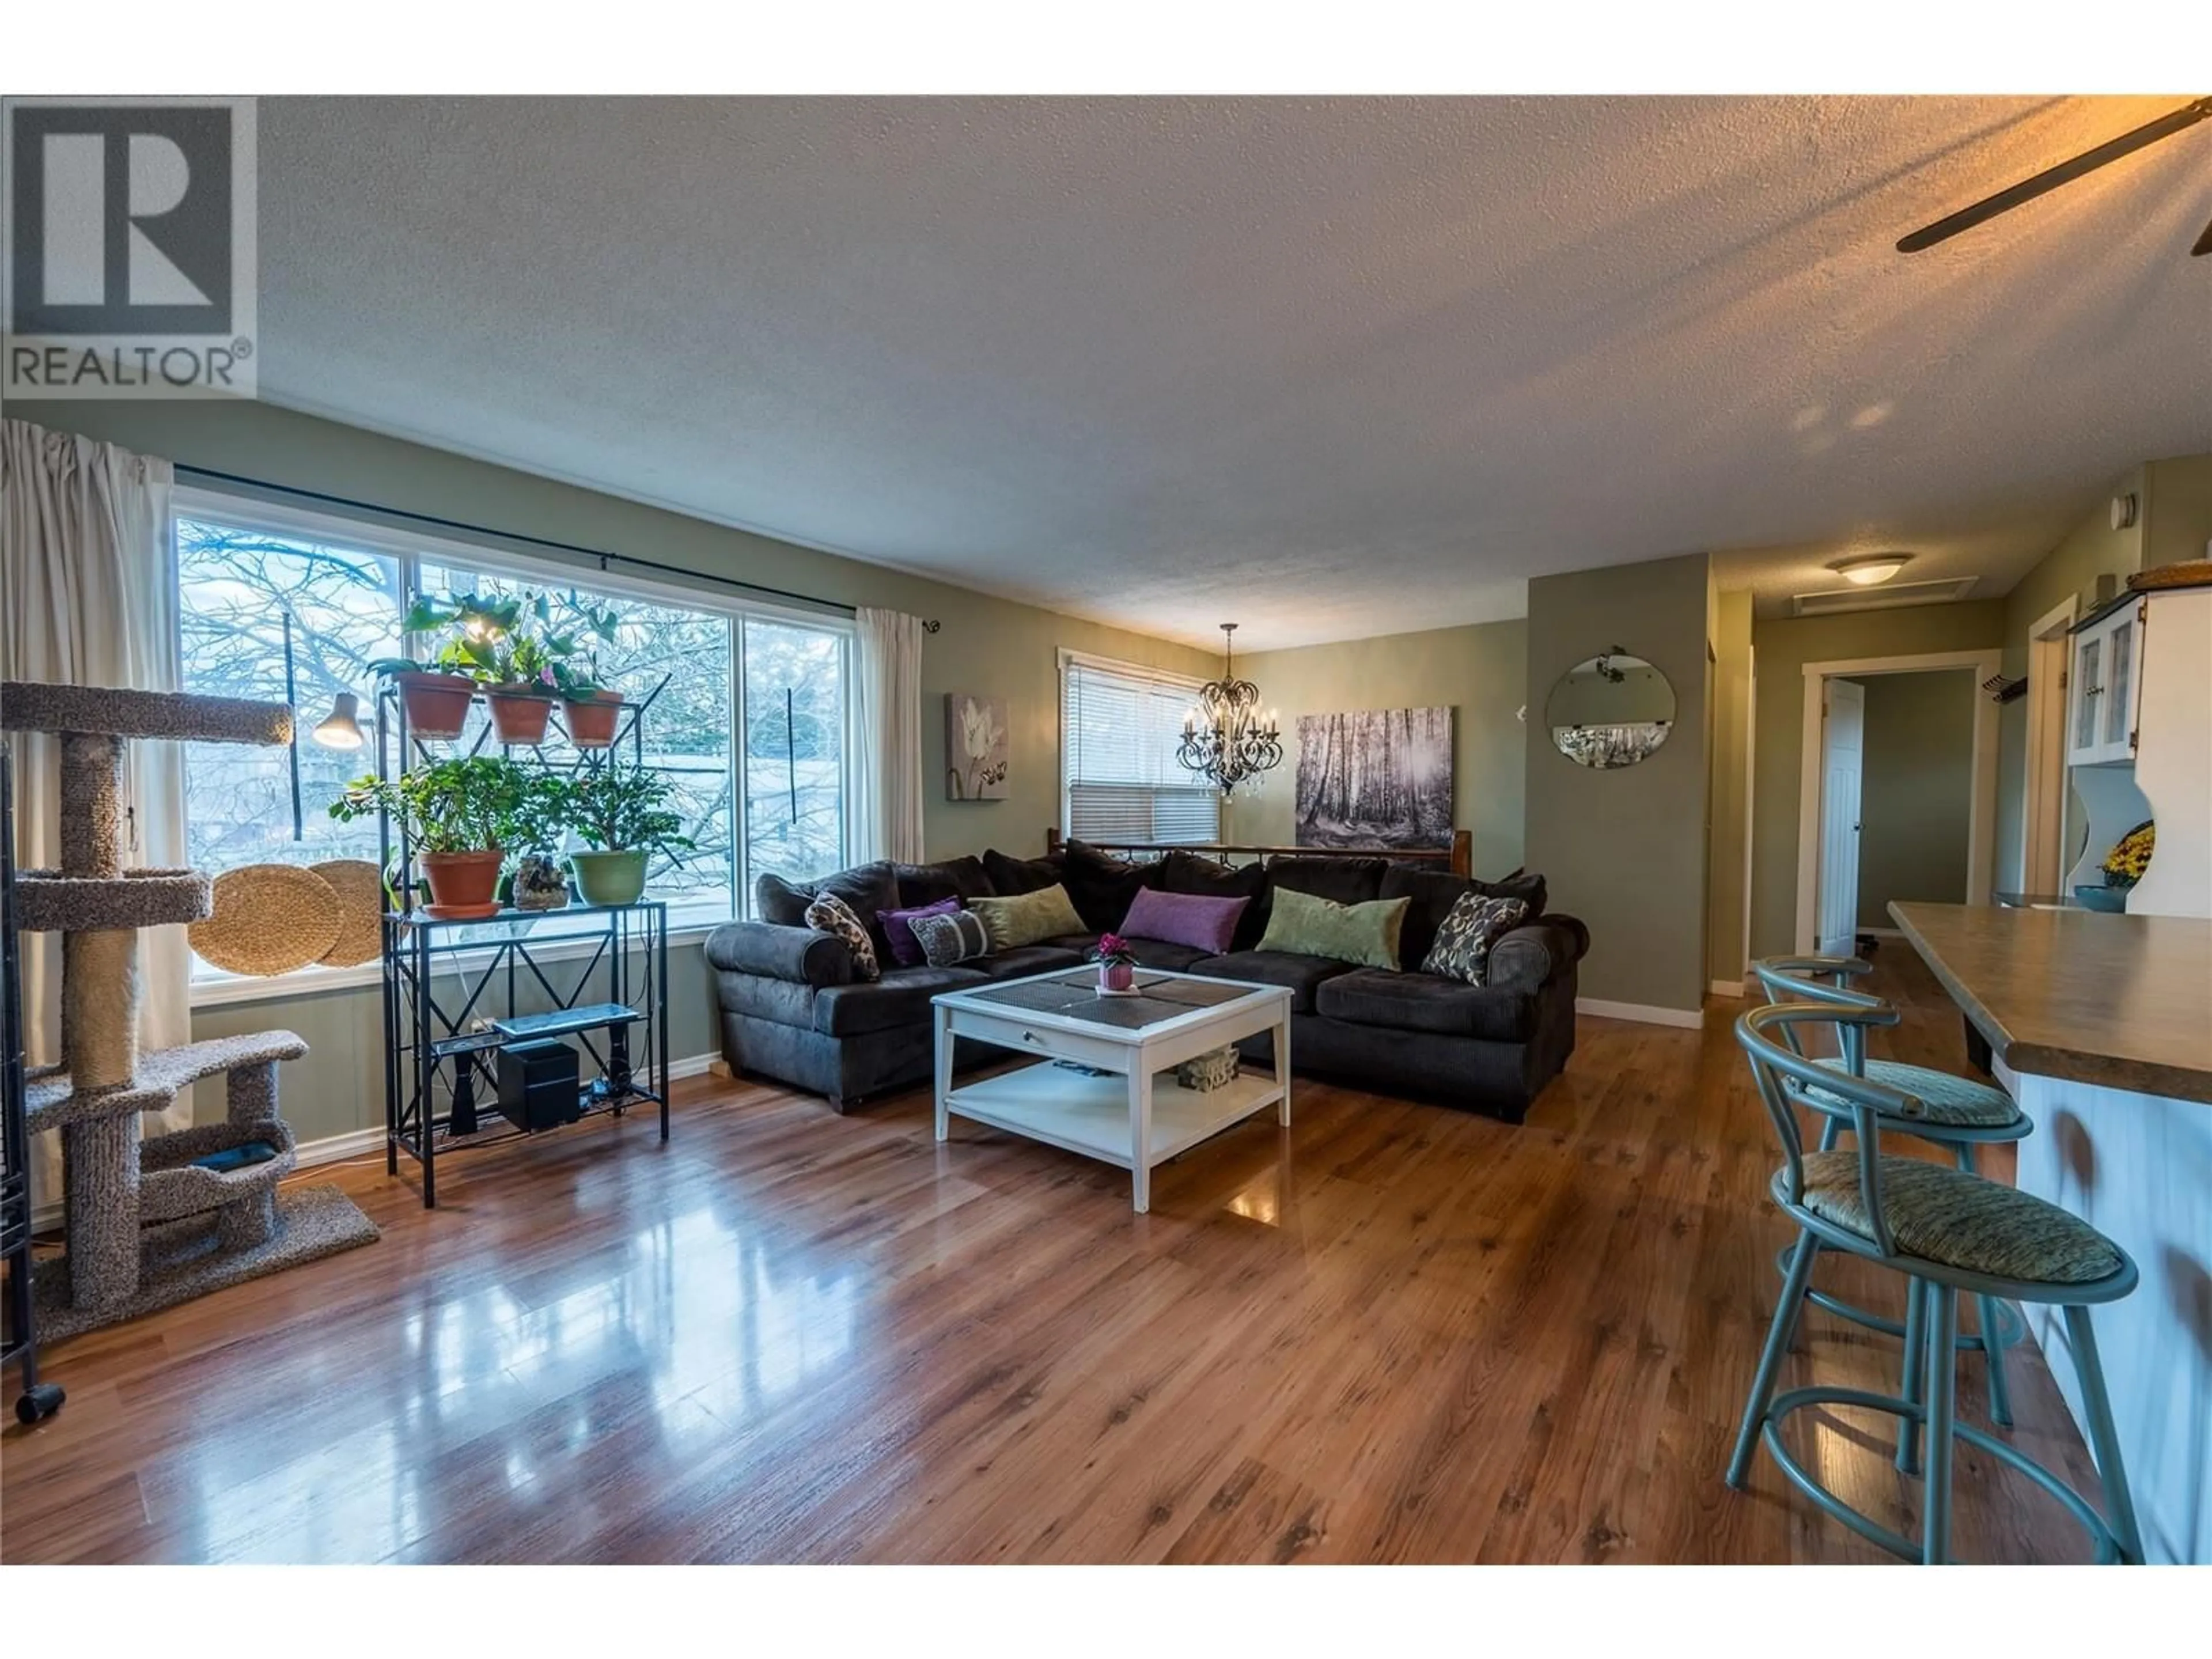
<point>2204,241</point>
<point>2050,178</point>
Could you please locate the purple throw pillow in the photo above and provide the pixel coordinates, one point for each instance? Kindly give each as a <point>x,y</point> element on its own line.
<point>1192,918</point>
<point>898,929</point>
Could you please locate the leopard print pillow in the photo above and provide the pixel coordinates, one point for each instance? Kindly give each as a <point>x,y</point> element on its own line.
<point>1476,923</point>
<point>829,913</point>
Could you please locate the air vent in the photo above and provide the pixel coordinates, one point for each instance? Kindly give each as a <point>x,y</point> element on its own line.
<point>1880,598</point>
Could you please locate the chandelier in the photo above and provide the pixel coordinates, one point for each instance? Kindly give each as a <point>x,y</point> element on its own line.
<point>1225,739</point>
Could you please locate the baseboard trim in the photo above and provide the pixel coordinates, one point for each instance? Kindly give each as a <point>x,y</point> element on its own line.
<point>359,1143</point>
<point>1692,1019</point>
<point>336,1149</point>
<point>1728,987</point>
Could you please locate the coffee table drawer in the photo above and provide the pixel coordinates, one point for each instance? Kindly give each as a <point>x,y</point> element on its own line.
<point>1012,1031</point>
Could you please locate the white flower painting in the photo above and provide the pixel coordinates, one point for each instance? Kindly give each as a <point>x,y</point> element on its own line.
<point>975,747</point>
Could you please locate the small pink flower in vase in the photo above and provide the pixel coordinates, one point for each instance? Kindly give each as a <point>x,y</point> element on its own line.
<point>1117,963</point>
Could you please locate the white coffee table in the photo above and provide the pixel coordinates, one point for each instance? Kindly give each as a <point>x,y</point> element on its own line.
<point>1135,1118</point>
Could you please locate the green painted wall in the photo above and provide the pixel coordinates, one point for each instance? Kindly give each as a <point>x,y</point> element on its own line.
<point>1626,850</point>
<point>1480,671</point>
<point>2177,511</point>
<point>1916,799</point>
<point>1783,648</point>
<point>988,645</point>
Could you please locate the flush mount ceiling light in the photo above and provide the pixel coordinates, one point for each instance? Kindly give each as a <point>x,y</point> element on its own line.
<point>1873,568</point>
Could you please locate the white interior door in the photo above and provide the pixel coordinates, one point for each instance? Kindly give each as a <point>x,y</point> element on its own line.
<point>1843,766</point>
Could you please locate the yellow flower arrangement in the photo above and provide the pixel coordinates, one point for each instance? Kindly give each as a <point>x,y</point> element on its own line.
<point>2125,864</point>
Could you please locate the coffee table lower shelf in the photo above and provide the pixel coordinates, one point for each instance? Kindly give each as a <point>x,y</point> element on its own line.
<point>1091,1115</point>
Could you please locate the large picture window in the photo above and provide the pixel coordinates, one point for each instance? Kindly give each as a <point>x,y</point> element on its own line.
<point>273,612</point>
<point>1119,725</point>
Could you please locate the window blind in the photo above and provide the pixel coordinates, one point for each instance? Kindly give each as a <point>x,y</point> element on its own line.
<point>1119,727</point>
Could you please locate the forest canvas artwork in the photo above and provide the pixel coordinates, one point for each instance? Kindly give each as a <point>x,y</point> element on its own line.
<point>975,747</point>
<point>1378,777</point>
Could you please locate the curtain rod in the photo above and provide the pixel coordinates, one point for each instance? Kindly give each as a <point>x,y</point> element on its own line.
<point>604,557</point>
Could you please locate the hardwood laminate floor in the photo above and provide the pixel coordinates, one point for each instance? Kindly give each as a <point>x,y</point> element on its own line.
<point>1391,1333</point>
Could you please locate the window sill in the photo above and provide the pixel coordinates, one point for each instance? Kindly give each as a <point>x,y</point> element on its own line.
<point>321,981</point>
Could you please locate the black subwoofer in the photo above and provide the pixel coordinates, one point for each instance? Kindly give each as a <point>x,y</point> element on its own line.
<point>538,1087</point>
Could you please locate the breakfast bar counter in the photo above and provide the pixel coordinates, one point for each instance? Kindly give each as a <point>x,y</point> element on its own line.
<point>2101,1027</point>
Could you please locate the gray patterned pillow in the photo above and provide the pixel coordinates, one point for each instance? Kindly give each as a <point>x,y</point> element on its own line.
<point>828,913</point>
<point>1476,923</point>
<point>958,936</point>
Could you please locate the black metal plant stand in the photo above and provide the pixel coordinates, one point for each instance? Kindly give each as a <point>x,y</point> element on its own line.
<point>19,1342</point>
<point>442,1041</point>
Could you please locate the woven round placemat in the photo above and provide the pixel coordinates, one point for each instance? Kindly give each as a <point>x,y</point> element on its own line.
<point>269,918</point>
<point>360,905</point>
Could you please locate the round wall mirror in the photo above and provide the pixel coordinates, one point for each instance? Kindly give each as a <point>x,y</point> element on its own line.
<point>1610,711</point>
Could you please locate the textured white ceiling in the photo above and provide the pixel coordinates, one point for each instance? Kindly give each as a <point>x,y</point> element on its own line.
<point>1332,367</point>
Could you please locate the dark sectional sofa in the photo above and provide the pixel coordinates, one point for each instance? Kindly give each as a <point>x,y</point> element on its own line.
<point>792,1009</point>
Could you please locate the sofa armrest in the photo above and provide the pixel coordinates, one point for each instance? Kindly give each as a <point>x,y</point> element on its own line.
<point>1531,957</point>
<point>1573,927</point>
<point>800,955</point>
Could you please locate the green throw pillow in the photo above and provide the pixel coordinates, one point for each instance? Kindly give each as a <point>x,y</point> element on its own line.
<point>1364,935</point>
<point>1026,918</point>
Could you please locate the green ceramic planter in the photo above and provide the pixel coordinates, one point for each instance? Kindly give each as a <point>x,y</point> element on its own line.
<point>609,878</point>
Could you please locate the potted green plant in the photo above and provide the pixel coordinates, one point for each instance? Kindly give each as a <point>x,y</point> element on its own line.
<point>483,641</point>
<point>459,815</point>
<point>512,663</point>
<point>621,811</point>
<point>434,694</point>
<point>589,707</point>
<point>541,819</point>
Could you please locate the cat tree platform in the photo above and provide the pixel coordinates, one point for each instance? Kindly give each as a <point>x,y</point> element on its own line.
<point>48,901</point>
<point>186,1259</point>
<point>108,711</point>
<point>159,1077</point>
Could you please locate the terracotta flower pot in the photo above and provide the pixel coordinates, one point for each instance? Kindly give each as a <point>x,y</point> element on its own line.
<point>437,704</point>
<point>1115,976</point>
<point>518,717</point>
<point>609,878</point>
<point>464,886</point>
<point>592,720</point>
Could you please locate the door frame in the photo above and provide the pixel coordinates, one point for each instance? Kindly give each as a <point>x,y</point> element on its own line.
<point>1982,807</point>
<point>1831,690</point>
<point>2043,821</point>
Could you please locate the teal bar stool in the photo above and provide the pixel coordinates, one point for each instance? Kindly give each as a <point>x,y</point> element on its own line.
<point>1956,1112</point>
<point>1948,1232</point>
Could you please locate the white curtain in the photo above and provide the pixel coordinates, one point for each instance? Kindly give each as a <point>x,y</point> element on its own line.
<point>89,597</point>
<point>887,788</point>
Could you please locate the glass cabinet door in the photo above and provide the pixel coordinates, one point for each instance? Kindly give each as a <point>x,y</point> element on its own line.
<point>2086,661</point>
<point>2116,714</point>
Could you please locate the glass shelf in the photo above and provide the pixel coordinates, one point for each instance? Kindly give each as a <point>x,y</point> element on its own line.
<point>423,919</point>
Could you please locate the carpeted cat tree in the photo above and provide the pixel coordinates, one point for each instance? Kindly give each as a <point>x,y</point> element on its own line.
<point>150,1222</point>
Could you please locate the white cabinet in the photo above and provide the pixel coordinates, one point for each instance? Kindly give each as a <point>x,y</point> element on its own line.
<point>2105,686</point>
<point>2174,768</point>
